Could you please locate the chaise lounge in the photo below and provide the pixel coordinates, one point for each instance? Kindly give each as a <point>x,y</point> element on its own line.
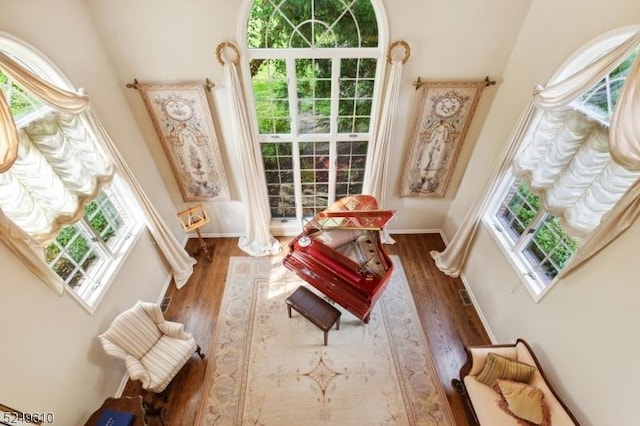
<point>500,383</point>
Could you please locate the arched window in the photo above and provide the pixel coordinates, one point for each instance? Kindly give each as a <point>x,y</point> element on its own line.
<point>61,188</point>
<point>315,68</point>
<point>563,180</point>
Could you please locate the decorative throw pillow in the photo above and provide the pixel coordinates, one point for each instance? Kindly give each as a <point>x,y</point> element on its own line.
<point>523,401</point>
<point>499,367</point>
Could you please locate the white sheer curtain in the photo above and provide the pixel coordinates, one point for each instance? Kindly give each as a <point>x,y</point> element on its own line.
<point>57,168</point>
<point>451,259</point>
<point>257,240</point>
<point>557,96</point>
<point>377,173</point>
<point>177,257</point>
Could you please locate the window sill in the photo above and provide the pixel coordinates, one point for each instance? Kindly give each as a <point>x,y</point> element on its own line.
<point>536,289</point>
<point>289,228</point>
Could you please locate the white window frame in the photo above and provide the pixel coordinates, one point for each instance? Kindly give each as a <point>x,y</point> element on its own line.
<point>91,292</point>
<point>536,287</point>
<point>333,137</point>
<point>290,227</point>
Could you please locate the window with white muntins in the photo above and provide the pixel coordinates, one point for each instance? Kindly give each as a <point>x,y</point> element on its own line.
<point>315,70</point>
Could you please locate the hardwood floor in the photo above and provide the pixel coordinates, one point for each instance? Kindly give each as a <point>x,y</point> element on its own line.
<point>448,324</point>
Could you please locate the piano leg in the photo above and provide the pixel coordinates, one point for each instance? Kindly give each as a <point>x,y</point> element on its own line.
<point>366,319</point>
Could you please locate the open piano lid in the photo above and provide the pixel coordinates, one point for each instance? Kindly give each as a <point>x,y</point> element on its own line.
<point>352,219</point>
<point>358,212</point>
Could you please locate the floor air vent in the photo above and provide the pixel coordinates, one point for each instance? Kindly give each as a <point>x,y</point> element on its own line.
<point>165,304</point>
<point>464,296</point>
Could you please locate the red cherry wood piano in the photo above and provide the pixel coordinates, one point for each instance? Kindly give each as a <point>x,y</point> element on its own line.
<point>340,253</point>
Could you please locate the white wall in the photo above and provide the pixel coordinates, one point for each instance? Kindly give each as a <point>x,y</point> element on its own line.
<point>584,329</point>
<point>164,41</point>
<point>50,359</point>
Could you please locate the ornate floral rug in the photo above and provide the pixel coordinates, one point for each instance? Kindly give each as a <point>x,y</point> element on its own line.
<point>269,369</point>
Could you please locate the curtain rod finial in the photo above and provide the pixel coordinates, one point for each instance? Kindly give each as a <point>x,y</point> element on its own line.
<point>209,84</point>
<point>417,83</point>
<point>133,85</point>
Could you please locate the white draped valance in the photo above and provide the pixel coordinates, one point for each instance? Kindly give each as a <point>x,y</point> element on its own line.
<point>57,98</point>
<point>52,167</point>
<point>8,136</point>
<point>561,93</point>
<point>59,168</point>
<point>624,134</point>
<point>567,163</point>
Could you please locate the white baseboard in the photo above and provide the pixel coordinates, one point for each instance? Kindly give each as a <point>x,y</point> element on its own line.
<point>165,287</point>
<point>413,231</point>
<point>444,237</point>
<point>123,384</point>
<point>474,301</point>
<point>216,235</point>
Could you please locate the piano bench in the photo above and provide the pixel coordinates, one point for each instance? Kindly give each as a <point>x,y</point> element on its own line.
<point>315,309</point>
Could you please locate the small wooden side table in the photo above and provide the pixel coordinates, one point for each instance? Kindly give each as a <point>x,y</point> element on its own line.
<point>128,404</point>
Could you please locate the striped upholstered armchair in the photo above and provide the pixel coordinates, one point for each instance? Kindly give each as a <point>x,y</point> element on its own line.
<point>153,349</point>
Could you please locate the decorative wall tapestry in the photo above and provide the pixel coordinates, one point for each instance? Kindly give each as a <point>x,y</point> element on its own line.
<point>445,111</point>
<point>182,119</point>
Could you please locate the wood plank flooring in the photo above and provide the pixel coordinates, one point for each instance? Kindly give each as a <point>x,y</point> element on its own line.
<point>448,323</point>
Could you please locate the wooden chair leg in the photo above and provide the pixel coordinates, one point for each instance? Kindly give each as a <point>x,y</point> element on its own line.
<point>153,406</point>
<point>199,351</point>
<point>159,416</point>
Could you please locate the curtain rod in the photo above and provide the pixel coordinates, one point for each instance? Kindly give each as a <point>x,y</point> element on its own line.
<point>208,84</point>
<point>487,81</point>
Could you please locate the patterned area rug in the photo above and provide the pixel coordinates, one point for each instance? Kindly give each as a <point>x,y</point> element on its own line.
<point>269,369</point>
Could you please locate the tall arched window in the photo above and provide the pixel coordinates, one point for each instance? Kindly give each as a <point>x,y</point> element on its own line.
<point>58,186</point>
<point>564,179</point>
<point>315,68</point>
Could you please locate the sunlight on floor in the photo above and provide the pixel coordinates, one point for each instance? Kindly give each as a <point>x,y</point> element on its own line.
<point>279,273</point>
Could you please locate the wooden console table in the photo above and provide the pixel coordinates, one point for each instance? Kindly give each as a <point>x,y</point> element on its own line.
<point>129,404</point>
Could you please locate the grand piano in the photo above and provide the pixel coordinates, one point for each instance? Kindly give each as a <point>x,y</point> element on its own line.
<point>340,253</point>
